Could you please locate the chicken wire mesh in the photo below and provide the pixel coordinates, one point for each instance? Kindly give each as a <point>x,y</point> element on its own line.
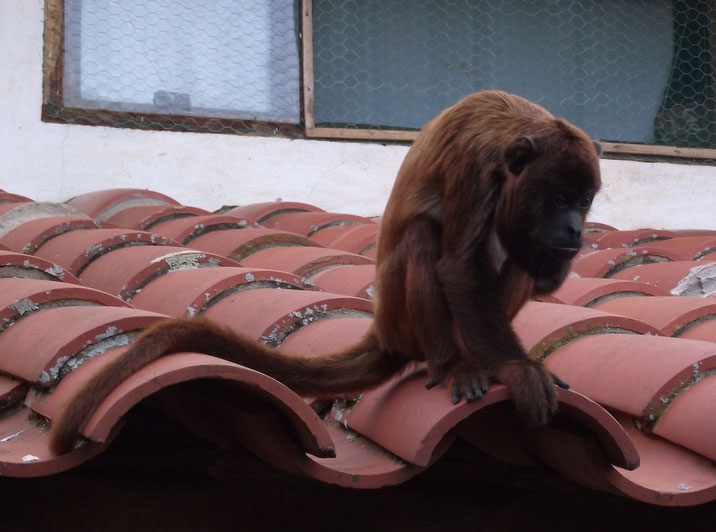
<point>220,64</point>
<point>624,70</point>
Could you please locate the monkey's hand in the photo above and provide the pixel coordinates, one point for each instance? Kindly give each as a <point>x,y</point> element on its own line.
<point>466,380</point>
<point>532,387</point>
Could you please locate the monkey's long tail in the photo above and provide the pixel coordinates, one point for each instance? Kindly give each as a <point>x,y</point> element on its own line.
<point>354,369</point>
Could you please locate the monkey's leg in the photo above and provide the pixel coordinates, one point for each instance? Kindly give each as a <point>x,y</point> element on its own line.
<point>429,315</point>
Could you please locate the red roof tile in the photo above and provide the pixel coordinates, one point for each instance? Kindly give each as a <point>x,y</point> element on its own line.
<point>144,217</point>
<point>104,204</point>
<point>637,398</point>
<point>260,213</point>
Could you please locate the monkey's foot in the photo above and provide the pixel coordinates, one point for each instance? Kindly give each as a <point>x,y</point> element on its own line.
<point>532,387</point>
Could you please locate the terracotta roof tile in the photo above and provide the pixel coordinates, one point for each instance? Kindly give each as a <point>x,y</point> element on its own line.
<point>637,237</point>
<point>30,236</point>
<point>186,229</point>
<point>237,244</point>
<point>692,248</point>
<point>261,213</point>
<point>189,292</point>
<point>351,280</point>
<point>609,262</point>
<point>359,238</point>
<point>125,271</point>
<point>144,217</point>
<point>680,278</point>
<point>637,397</point>
<point>589,291</point>
<point>19,265</point>
<point>674,316</point>
<point>303,261</point>
<point>76,250</point>
<point>104,204</point>
<point>311,224</point>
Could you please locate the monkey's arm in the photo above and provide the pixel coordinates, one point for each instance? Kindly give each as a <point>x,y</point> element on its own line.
<point>477,299</point>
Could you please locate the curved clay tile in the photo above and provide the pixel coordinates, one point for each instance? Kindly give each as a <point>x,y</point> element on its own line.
<point>126,271</point>
<point>237,244</point>
<point>185,229</point>
<point>144,217</point>
<point>103,204</point>
<point>13,215</point>
<point>381,415</point>
<point>246,387</point>
<point>33,234</point>
<point>8,197</point>
<point>258,213</point>
<point>674,316</point>
<point>681,278</point>
<point>609,262</point>
<point>311,223</point>
<point>353,280</point>
<point>545,327</point>
<point>635,237</point>
<point>303,261</point>
<point>326,336</point>
<point>696,232</point>
<point>637,375</point>
<point>30,267</point>
<point>56,339</point>
<point>593,231</point>
<point>693,247</point>
<point>190,292</point>
<point>20,298</point>
<point>76,250</point>
<point>271,315</point>
<point>669,475</point>
<point>590,291</point>
<point>358,239</point>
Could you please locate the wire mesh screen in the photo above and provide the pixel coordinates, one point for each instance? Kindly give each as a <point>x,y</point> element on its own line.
<point>624,70</point>
<point>215,59</point>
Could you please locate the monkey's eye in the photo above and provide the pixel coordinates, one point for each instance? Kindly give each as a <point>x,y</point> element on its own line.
<point>586,201</point>
<point>560,199</point>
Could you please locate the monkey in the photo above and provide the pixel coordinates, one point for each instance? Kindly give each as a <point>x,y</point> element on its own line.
<point>486,211</point>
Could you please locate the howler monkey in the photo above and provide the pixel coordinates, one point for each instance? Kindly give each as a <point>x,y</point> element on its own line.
<point>487,210</point>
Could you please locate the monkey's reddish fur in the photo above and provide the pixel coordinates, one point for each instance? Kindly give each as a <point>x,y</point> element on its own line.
<point>460,250</point>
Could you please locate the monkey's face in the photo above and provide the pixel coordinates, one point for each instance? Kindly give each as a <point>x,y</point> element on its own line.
<point>543,209</point>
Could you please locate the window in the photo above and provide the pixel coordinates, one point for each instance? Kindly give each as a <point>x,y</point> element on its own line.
<point>175,64</point>
<point>637,74</point>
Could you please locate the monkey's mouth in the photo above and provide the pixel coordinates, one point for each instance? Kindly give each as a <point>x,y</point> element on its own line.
<point>563,252</point>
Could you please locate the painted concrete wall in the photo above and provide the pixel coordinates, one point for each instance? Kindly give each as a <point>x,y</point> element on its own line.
<point>53,162</point>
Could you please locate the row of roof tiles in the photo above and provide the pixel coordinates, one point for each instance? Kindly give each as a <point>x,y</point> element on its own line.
<point>633,330</point>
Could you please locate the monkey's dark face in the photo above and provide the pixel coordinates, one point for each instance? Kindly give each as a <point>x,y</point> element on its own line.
<point>543,208</point>
<point>559,238</point>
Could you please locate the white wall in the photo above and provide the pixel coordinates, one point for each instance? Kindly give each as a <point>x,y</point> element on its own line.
<point>53,162</point>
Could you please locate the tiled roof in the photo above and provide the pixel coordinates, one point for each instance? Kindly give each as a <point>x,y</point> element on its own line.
<point>633,330</point>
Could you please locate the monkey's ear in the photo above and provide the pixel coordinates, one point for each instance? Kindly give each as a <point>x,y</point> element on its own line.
<point>519,153</point>
<point>598,147</point>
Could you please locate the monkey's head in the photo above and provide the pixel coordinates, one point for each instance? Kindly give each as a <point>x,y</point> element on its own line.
<point>551,179</point>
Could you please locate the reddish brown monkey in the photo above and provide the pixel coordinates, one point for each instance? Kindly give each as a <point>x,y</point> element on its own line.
<point>487,210</point>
